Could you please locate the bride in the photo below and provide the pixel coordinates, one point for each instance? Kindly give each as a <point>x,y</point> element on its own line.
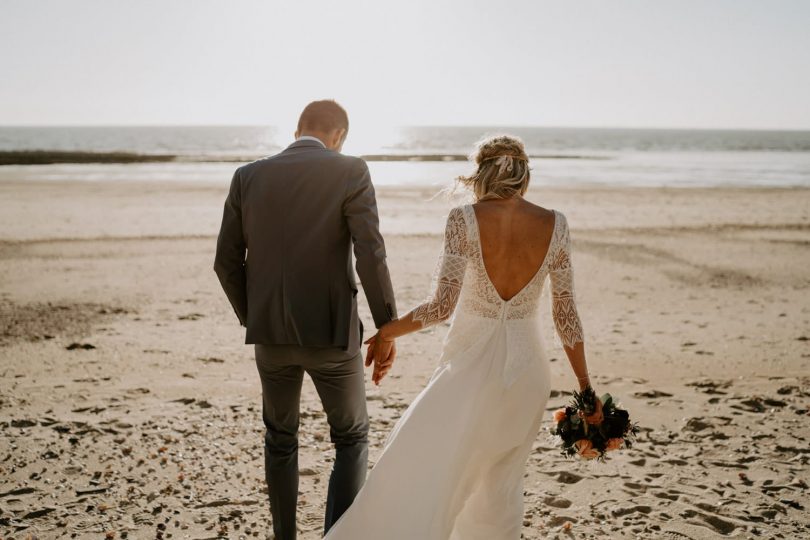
<point>452,467</point>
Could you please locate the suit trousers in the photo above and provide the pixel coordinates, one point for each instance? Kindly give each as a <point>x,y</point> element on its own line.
<point>339,379</point>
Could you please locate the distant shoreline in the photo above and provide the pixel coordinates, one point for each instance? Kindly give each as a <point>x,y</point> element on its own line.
<point>55,157</point>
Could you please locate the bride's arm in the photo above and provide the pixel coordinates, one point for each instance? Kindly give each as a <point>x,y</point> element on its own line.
<point>564,308</point>
<point>446,288</point>
<point>576,357</point>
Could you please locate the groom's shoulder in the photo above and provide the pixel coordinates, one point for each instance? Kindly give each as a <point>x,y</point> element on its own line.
<point>245,169</point>
<point>349,161</point>
<point>325,157</point>
<point>347,166</point>
<point>260,163</point>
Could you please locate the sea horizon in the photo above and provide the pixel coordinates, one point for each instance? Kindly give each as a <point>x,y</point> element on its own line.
<point>416,155</point>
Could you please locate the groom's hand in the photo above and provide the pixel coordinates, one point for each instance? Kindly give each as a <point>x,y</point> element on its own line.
<point>370,350</point>
<point>383,366</point>
<point>382,353</point>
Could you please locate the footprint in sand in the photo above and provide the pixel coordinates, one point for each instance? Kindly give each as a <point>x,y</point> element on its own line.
<point>557,502</point>
<point>559,520</point>
<point>651,394</point>
<point>566,477</point>
<point>710,387</point>
<point>81,346</point>
<point>668,495</point>
<point>211,360</point>
<point>626,510</point>
<point>636,487</point>
<point>697,424</point>
<point>717,523</point>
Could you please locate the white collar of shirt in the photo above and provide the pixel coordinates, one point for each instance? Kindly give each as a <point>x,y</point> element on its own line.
<point>310,138</point>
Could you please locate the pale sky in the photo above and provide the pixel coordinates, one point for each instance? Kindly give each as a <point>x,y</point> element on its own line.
<point>619,63</point>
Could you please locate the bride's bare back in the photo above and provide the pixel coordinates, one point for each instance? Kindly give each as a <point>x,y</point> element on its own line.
<point>510,240</point>
<point>515,237</point>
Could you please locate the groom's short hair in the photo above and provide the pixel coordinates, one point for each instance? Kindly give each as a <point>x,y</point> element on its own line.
<point>324,115</point>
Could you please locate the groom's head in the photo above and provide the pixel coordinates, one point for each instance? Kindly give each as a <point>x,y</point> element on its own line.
<point>327,121</point>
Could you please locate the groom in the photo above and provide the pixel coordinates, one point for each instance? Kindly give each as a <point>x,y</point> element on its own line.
<point>284,260</point>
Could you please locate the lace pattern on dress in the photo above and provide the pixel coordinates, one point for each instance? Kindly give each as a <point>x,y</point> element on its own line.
<point>481,300</point>
<point>460,277</point>
<point>448,276</point>
<point>563,305</point>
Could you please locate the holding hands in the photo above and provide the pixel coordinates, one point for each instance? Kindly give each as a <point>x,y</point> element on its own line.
<point>382,351</point>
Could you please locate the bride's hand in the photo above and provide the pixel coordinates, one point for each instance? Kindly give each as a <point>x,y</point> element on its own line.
<point>596,417</point>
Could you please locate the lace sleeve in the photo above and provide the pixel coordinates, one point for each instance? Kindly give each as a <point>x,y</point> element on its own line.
<point>449,273</point>
<point>563,305</point>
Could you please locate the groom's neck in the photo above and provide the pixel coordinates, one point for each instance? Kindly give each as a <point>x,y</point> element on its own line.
<point>320,136</point>
<point>332,140</point>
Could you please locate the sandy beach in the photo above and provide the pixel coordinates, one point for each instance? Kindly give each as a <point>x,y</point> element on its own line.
<point>130,408</point>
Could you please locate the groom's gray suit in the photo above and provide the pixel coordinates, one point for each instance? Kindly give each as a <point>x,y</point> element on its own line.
<point>284,260</point>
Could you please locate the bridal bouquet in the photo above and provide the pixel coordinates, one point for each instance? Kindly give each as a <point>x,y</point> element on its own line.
<point>589,440</point>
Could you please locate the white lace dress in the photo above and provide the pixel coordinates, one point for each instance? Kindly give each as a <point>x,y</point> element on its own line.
<point>452,467</point>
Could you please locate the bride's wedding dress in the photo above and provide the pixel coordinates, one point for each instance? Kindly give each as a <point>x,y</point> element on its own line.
<point>453,465</point>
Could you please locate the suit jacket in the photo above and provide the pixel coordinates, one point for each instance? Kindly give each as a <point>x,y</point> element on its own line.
<point>284,249</point>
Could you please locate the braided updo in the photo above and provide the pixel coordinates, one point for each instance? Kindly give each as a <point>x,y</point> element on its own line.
<point>503,169</point>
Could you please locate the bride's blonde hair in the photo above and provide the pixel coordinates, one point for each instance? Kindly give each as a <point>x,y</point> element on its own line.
<point>503,169</point>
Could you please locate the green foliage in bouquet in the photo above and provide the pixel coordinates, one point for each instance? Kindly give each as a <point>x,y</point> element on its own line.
<point>593,440</point>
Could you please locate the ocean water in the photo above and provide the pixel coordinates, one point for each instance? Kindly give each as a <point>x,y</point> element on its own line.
<point>425,156</point>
